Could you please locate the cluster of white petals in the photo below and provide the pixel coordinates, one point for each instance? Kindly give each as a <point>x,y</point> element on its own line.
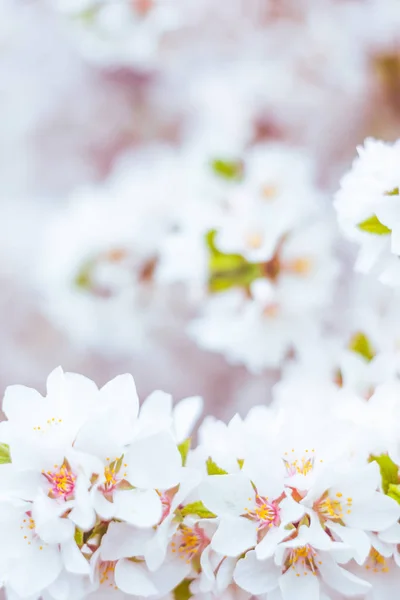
<point>243,234</point>
<point>368,207</point>
<point>102,498</point>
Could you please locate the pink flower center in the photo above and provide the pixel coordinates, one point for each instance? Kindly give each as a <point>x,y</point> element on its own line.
<point>376,562</point>
<point>62,482</point>
<point>106,574</point>
<point>266,513</point>
<point>112,477</point>
<point>189,542</point>
<point>166,501</point>
<point>303,560</point>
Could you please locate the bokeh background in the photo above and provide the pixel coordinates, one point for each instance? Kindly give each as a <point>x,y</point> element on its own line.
<point>84,84</point>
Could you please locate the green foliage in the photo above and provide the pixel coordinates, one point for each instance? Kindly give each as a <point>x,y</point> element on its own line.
<point>240,462</point>
<point>79,537</point>
<point>229,270</point>
<point>182,591</point>
<point>5,456</point>
<point>213,468</point>
<point>184,448</point>
<point>374,226</point>
<point>83,279</point>
<point>394,192</point>
<point>394,492</point>
<point>228,169</point>
<point>389,471</point>
<point>360,344</point>
<point>197,508</point>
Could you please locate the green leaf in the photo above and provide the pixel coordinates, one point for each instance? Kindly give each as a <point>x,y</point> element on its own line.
<point>83,278</point>
<point>182,591</point>
<point>5,456</point>
<point>240,462</point>
<point>229,270</point>
<point>228,169</point>
<point>184,448</point>
<point>360,344</point>
<point>389,471</point>
<point>118,463</point>
<point>373,225</point>
<point>79,537</point>
<point>394,192</point>
<point>197,508</point>
<point>213,468</point>
<point>394,492</point>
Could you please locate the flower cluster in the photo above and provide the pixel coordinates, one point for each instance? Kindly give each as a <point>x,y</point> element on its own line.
<point>99,498</point>
<point>243,240</point>
<point>264,258</point>
<point>368,206</point>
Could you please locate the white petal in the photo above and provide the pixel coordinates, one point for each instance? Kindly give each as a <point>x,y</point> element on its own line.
<point>133,578</point>
<point>266,548</point>
<point>339,579</point>
<point>355,538</point>
<point>154,462</point>
<point>121,392</point>
<point>227,494</point>
<point>301,588</point>
<point>170,574</point>
<point>19,401</point>
<point>124,541</point>
<point>185,415</point>
<point>39,569</point>
<point>256,576</point>
<point>82,514</point>
<point>142,508</point>
<point>206,566</point>
<point>234,535</point>
<point>50,527</point>
<point>291,511</point>
<point>104,508</point>
<point>156,411</point>
<point>156,549</point>
<point>378,514</point>
<point>391,535</point>
<point>73,559</point>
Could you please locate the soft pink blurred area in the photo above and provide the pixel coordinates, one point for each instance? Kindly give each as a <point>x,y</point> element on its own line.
<point>309,73</point>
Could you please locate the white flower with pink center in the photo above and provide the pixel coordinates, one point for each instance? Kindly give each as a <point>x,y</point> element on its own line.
<point>347,506</point>
<point>35,553</point>
<point>301,565</point>
<point>248,517</point>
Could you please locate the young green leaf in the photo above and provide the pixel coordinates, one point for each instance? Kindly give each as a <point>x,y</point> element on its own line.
<point>79,537</point>
<point>184,448</point>
<point>393,192</point>
<point>229,270</point>
<point>394,492</point>
<point>360,344</point>
<point>389,471</point>
<point>182,591</point>
<point>5,456</point>
<point>374,226</point>
<point>213,468</point>
<point>228,169</point>
<point>197,508</point>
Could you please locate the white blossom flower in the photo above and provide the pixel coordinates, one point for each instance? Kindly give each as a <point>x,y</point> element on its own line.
<point>261,327</point>
<point>347,505</point>
<point>97,260</point>
<point>368,209</point>
<point>33,564</point>
<point>121,33</point>
<point>253,513</point>
<point>299,568</point>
